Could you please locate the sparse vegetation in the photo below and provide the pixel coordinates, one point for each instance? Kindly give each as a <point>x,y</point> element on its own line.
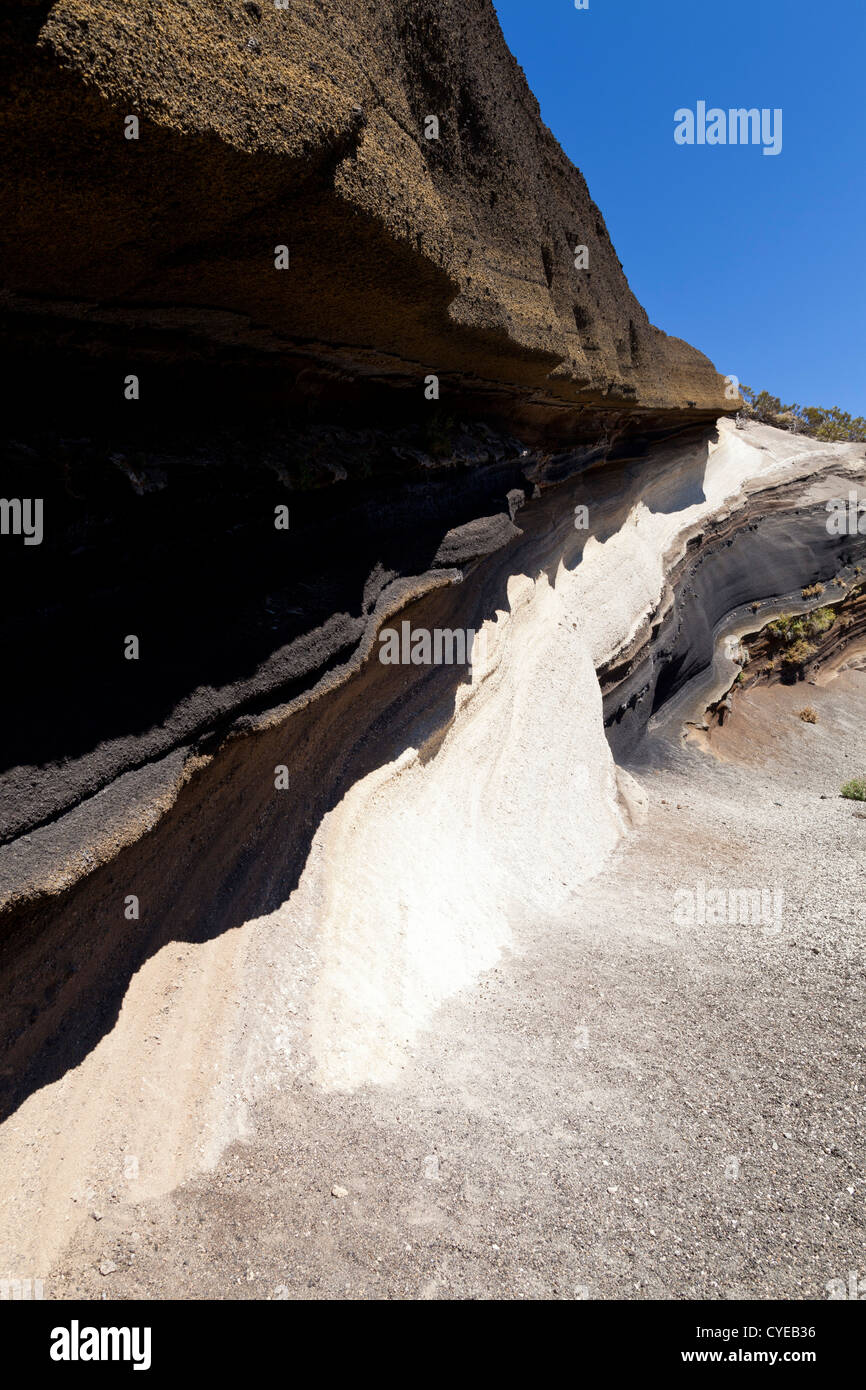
<point>855,790</point>
<point>820,620</point>
<point>812,590</point>
<point>792,640</point>
<point>809,715</point>
<point>797,628</point>
<point>798,654</point>
<point>819,422</point>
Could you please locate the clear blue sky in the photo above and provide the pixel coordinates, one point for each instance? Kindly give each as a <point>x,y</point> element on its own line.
<point>760,261</point>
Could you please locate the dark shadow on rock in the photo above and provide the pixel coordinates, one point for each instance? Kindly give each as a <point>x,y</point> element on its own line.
<point>233,847</point>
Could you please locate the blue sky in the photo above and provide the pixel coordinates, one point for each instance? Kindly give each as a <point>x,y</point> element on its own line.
<point>760,261</point>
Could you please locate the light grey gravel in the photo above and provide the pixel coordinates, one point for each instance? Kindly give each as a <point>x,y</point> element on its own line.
<point>627,1108</point>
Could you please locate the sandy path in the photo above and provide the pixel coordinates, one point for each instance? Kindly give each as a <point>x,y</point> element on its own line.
<point>624,1106</point>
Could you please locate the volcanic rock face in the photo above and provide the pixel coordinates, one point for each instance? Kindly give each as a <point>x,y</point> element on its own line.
<point>151,259</point>
<point>293,819</point>
<point>746,570</point>
<point>306,127</point>
<point>309,929</point>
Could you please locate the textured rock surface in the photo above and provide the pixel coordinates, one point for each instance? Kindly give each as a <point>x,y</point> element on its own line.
<point>433,816</point>
<point>296,940</point>
<point>304,127</point>
<point>741,575</point>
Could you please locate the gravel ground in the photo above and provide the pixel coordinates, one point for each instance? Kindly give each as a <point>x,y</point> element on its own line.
<point>629,1107</point>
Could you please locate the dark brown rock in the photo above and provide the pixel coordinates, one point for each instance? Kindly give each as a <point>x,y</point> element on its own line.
<point>304,127</point>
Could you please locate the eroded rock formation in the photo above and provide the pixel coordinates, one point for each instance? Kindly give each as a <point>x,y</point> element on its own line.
<point>305,127</point>
<point>258,388</point>
<point>393,864</point>
<point>256,860</point>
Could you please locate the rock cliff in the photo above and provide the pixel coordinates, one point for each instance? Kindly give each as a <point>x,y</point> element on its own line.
<point>306,127</point>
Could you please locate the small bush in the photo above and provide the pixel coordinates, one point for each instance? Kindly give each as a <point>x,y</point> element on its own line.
<point>798,654</point>
<point>795,629</point>
<point>855,790</point>
<point>820,620</point>
<point>785,629</point>
<point>808,715</point>
<point>812,590</point>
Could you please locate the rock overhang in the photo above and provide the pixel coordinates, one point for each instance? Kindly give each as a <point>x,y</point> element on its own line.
<point>306,128</point>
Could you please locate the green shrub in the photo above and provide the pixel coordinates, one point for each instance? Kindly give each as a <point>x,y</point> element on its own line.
<point>820,621</point>
<point>797,627</point>
<point>799,653</point>
<point>830,424</point>
<point>787,630</point>
<point>855,790</point>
